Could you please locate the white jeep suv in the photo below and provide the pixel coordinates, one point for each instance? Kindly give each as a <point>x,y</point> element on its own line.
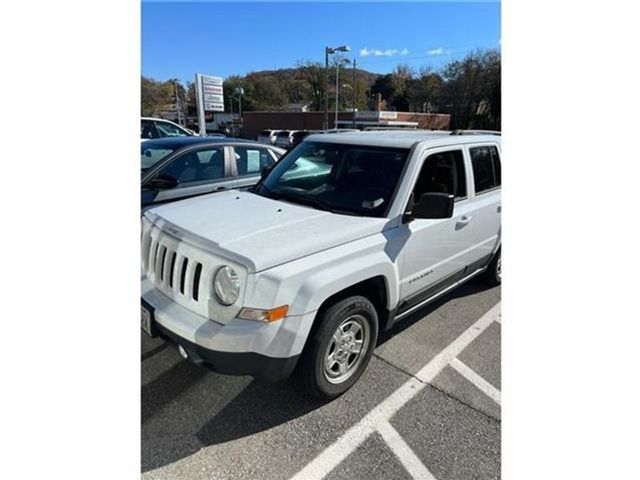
<point>346,235</point>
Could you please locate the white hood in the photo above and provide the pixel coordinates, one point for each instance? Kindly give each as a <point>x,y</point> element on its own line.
<point>258,232</point>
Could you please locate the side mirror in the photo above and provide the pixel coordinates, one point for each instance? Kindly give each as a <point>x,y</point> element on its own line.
<point>162,182</point>
<point>433,205</point>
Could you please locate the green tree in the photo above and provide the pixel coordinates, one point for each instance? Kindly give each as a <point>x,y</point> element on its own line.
<point>312,77</point>
<point>471,92</point>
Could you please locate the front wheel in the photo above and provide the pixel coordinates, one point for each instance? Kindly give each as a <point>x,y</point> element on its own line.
<point>341,348</point>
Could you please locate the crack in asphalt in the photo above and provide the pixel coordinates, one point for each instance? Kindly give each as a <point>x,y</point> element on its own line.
<point>475,409</point>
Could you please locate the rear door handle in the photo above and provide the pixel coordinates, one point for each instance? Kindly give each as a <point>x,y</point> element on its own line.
<point>499,209</point>
<point>220,188</point>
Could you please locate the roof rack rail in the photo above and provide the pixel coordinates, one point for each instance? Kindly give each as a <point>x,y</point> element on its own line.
<point>476,132</point>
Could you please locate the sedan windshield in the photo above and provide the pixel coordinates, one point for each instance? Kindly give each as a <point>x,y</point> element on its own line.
<point>349,179</point>
<point>151,154</point>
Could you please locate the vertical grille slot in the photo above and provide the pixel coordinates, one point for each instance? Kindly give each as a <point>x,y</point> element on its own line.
<point>163,255</point>
<point>183,274</point>
<point>173,264</point>
<point>196,281</point>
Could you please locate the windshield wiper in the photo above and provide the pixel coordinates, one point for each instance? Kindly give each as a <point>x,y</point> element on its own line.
<point>256,189</point>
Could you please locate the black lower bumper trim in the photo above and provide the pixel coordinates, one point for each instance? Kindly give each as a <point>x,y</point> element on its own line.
<point>231,363</point>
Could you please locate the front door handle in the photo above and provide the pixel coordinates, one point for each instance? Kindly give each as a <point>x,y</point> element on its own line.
<point>220,188</point>
<point>464,220</point>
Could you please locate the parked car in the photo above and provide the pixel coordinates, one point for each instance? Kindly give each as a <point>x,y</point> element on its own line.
<point>347,235</point>
<point>181,167</point>
<point>151,128</point>
<point>299,135</point>
<point>268,136</point>
<point>284,138</point>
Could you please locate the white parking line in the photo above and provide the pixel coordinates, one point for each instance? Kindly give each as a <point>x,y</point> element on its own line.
<point>404,453</point>
<point>488,389</point>
<point>320,466</point>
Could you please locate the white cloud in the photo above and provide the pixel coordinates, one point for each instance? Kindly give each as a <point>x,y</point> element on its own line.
<point>436,51</point>
<point>389,52</point>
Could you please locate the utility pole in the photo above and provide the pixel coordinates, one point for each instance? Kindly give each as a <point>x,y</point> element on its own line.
<point>233,126</point>
<point>326,88</point>
<point>240,92</point>
<point>353,102</point>
<point>338,59</point>
<point>175,89</point>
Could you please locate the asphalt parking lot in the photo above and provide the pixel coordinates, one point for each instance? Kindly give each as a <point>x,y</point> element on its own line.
<point>428,406</point>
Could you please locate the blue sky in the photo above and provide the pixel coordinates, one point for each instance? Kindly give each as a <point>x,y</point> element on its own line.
<point>180,39</point>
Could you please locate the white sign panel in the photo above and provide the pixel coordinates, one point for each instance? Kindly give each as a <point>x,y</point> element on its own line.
<point>214,107</point>
<point>212,89</point>
<point>208,80</point>
<point>211,98</point>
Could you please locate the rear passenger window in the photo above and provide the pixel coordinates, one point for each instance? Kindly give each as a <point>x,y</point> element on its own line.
<point>442,173</point>
<point>486,168</point>
<point>249,161</point>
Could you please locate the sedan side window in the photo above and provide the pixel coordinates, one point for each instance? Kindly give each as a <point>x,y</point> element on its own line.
<point>251,160</point>
<point>442,173</point>
<point>197,167</point>
<point>148,130</point>
<point>486,168</point>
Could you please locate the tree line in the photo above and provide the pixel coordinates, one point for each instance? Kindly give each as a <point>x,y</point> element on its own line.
<point>468,89</point>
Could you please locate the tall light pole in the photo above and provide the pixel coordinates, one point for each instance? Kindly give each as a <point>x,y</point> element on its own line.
<point>327,52</point>
<point>353,99</point>
<point>338,62</point>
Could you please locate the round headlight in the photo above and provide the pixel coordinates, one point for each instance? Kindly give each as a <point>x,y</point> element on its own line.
<point>226,285</point>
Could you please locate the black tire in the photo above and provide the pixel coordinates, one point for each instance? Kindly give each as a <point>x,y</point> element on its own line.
<point>310,372</point>
<point>493,275</point>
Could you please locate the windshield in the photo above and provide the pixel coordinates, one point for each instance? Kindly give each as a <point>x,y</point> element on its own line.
<point>350,179</point>
<point>283,133</point>
<point>150,155</point>
<point>166,129</point>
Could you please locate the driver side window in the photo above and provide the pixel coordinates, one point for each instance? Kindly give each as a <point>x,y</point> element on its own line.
<point>194,167</point>
<point>442,172</point>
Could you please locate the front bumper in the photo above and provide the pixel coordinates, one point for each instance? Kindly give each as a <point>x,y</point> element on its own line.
<point>240,347</point>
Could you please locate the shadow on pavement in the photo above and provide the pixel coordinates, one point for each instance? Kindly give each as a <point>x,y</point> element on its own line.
<point>186,407</point>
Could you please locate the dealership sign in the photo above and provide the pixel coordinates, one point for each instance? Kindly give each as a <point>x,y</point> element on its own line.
<point>211,93</point>
<point>209,97</point>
